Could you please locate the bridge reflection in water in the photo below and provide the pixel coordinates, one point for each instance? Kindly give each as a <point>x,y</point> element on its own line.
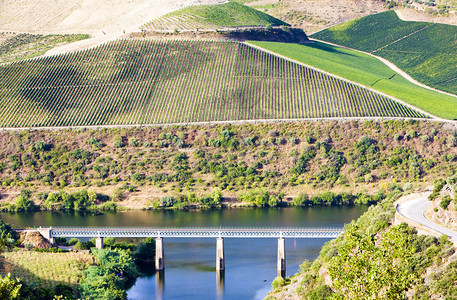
<point>99,233</point>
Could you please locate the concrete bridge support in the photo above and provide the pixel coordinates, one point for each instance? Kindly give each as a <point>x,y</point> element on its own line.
<point>160,258</point>
<point>99,243</point>
<point>220,258</point>
<point>46,233</point>
<point>281,258</point>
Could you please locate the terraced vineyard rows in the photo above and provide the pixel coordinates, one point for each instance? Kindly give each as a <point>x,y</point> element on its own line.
<point>426,51</point>
<point>18,46</point>
<point>212,17</point>
<point>147,82</point>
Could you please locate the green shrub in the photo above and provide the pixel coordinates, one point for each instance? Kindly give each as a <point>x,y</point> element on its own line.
<point>278,283</point>
<point>73,241</point>
<point>445,201</point>
<point>118,142</point>
<point>83,245</point>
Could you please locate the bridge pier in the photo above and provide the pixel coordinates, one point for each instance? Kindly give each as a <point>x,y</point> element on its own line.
<point>46,233</point>
<point>220,259</point>
<point>160,258</point>
<point>281,266</point>
<point>99,242</point>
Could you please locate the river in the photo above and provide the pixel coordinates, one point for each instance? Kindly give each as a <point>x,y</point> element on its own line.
<point>190,262</point>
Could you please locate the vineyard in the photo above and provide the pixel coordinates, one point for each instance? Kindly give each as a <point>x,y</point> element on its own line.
<point>426,51</point>
<point>14,46</point>
<point>368,71</point>
<point>149,82</point>
<point>212,17</point>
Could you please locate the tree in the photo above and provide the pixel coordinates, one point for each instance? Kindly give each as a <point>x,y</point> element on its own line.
<point>9,287</point>
<point>23,202</point>
<point>216,194</point>
<point>145,251</point>
<point>371,268</point>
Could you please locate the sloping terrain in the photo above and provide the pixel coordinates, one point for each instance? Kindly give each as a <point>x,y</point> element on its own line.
<point>426,51</point>
<point>15,47</point>
<point>146,82</point>
<point>315,15</point>
<point>104,20</point>
<point>231,14</point>
<point>369,71</point>
<point>84,16</point>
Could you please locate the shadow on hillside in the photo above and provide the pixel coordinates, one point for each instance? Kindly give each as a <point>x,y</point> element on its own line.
<point>276,34</point>
<point>327,48</point>
<point>30,279</point>
<point>290,35</point>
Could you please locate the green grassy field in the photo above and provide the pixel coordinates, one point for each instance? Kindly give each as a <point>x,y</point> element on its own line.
<point>368,71</point>
<point>231,14</point>
<point>426,51</point>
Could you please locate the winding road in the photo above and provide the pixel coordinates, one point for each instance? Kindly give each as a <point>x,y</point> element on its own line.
<point>415,211</point>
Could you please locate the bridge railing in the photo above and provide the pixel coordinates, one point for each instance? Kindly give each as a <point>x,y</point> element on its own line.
<point>195,228</point>
<point>235,232</point>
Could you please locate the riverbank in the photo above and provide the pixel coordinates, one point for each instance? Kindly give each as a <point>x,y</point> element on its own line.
<point>88,200</point>
<point>416,264</point>
<point>250,263</point>
<point>137,166</point>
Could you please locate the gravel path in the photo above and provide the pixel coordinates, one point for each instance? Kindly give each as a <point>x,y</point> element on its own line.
<point>415,209</point>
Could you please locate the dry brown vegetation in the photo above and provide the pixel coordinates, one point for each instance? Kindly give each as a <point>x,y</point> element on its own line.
<point>45,269</point>
<point>35,239</point>
<point>315,15</point>
<point>397,152</point>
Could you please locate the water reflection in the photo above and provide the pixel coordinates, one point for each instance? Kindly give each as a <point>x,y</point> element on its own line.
<point>160,283</point>
<point>250,264</point>
<point>220,282</point>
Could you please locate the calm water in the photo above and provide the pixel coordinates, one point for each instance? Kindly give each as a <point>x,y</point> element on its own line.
<point>190,263</point>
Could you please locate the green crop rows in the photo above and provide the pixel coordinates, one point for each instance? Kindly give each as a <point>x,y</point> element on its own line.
<point>231,14</point>
<point>150,82</point>
<point>426,51</point>
<point>368,71</point>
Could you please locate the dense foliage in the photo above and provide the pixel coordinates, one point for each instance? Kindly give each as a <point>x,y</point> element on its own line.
<point>72,170</point>
<point>115,268</point>
<point>127,82</point>
<point>8,236</point>
<point>9,287</point>
<point>375,260</point>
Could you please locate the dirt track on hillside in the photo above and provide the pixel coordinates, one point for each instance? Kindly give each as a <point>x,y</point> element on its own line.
<point>104,20</point>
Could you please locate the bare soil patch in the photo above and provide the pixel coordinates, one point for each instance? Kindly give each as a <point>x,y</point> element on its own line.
<point>315,15</point>
<point>407,14</point>
<point>104,20</point>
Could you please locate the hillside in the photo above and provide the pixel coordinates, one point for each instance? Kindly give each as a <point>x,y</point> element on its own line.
<point>426,51</point>
<point>155,82</point>
<point>212,17</point>
<point>84,16</point>
<point>14,47</point>
<point>141,165</point>
<point>315,15</point>
<point>369,71</point>
<point>376,259</point>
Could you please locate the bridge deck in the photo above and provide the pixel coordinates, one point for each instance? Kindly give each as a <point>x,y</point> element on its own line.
<point>194,232</point>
